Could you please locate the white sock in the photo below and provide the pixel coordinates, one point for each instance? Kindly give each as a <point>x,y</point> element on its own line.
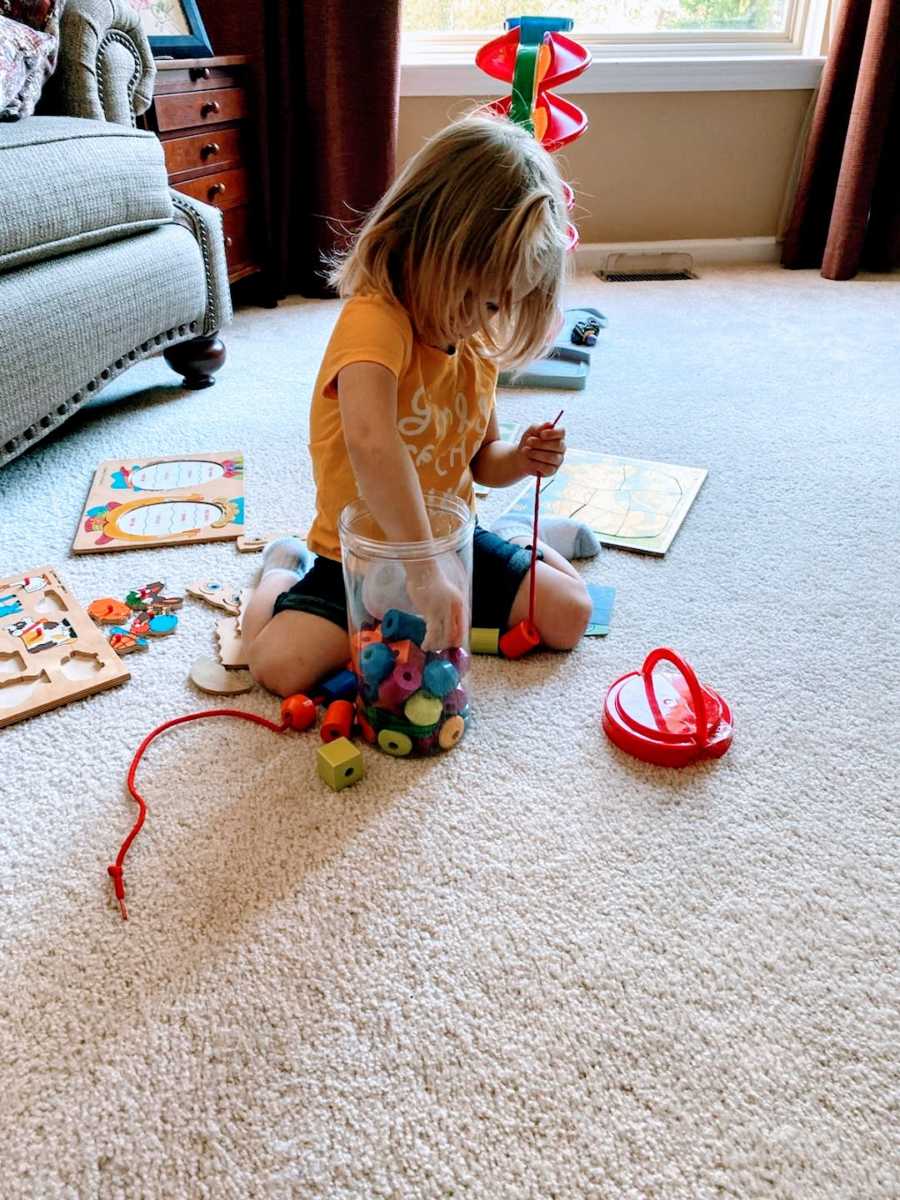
<point>286,554</point>
<point>567,536</point>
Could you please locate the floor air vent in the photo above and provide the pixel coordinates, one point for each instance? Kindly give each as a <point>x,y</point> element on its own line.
<point>641,268</point>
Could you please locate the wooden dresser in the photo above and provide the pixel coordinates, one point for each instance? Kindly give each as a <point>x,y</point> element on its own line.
<point>203,114</point>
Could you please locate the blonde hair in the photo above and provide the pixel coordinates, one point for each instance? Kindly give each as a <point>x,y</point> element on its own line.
<point>476,216</point>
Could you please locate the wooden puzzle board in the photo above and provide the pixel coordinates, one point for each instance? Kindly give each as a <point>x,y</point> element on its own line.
<point>628,502</point>
<point>51,651</point>
<point>137,502</point>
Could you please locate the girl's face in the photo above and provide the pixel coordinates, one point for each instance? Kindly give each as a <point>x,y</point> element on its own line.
<point>470,319</point>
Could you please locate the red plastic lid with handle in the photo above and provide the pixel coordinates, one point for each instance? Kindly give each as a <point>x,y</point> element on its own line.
<point>667,718</point>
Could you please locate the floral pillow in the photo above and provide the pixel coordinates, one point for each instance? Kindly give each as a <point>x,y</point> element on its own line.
<point>35,13</point>
<point>29,42</point>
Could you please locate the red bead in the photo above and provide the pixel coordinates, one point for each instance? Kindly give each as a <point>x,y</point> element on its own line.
<point>298,711</point>
<point>338,721</point>
<point>367,731</point>
<point>520,640</point>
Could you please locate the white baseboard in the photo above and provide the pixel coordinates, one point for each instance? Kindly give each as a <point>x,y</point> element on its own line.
<point>592,255</point>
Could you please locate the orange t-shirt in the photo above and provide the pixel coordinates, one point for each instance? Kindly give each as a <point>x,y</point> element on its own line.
<point>444,404</point>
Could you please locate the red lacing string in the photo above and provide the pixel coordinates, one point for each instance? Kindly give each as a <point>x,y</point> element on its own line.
<point>534,534</point>
<point>115,870</point>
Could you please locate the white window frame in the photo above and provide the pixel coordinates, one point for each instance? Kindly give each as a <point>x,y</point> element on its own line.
<point>444,64</point>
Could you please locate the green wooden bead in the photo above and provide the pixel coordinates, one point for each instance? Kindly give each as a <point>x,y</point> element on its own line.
<point>339,763</point>
<point>392,742</point>
<point>423,709</point>
<point>484,641</point>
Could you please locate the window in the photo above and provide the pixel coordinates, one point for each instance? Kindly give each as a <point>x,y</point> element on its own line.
<point>718,45</point>
<point>605,17</point>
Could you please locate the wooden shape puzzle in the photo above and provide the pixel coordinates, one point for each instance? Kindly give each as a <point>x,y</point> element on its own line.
<point>46,661</point>
<point>219,595</point>
<point>628,502</point>
<point>162,502</point>
<point>211,676</point>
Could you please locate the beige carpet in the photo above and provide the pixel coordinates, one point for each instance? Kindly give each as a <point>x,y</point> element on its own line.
<point>534,968</point>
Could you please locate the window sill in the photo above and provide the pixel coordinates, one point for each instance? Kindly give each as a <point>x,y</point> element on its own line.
<point>755,73</point>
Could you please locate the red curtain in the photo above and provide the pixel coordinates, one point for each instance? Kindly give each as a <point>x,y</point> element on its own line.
<point>328,74</point>
<point>847,209</point>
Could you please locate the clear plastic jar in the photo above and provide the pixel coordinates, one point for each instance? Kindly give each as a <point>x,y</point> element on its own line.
<point>414,693</point>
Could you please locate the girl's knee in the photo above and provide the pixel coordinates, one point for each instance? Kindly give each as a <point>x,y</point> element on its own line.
<point>567,615</point>
<point>275,672</point>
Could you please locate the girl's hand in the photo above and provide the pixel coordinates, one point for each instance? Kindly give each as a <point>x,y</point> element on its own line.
<point>542,450</point>
<point>443,606</point>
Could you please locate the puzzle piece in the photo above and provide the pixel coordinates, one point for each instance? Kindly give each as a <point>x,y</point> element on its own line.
<point>42,635</point>
<point>602,599</point>
<point>107,611</point>
<point>123,641</point>
<point>9,605</point>
<point>231,650</point>
<point>252,543</point>
<point>150,597</point>
<point>219,595</point>
<point>145,612</point>
<point>210,676</point>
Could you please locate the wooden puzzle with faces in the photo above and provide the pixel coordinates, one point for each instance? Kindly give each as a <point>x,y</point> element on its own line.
<point>162,502</point>
<point>51,651</point>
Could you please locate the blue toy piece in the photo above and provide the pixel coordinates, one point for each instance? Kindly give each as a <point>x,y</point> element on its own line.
<point>532,29</point>
<point>398,626</point>
<point>376,662</point>
<point>440,677</point>
<point>341,686</point>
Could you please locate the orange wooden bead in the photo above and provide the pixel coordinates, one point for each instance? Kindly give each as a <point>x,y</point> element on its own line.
<point>520,640</point>
<point>298,711</point>
<point>408,653</point>
<point>358,643</point>
<point>338,721</point>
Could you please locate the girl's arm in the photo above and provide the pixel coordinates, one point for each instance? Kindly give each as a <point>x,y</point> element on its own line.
<point>387,481</point>
<point>385,475</point>
<point>539,451</point>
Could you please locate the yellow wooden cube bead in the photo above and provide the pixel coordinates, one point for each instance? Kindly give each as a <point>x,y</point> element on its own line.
<point>339,763</point>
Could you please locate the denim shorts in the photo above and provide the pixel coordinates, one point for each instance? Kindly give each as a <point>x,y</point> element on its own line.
<point>498,568</point>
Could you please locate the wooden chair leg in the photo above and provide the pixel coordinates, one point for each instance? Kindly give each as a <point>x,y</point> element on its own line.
<point>197,360</point>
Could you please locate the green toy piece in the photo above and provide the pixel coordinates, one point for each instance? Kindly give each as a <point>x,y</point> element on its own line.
<point>395,743</point>
<point>339,763</point>
<point>484,641</point>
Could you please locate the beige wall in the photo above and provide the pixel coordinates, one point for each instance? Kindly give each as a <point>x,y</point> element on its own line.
<point>664,165</point>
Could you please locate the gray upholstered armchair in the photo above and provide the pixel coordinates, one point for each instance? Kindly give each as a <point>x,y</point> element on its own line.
<point>101,264</point>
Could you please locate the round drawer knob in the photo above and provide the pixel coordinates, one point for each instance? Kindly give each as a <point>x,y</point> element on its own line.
<point>217,189</point>
<point>210,108</point>
<point>211,148</point>
<point>229,242</point>
<point>200,72</point>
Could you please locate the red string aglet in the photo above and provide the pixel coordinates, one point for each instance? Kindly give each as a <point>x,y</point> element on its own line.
<point>115,873</point>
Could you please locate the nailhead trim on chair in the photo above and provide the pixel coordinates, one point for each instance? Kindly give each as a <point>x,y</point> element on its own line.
<point>178,333</point>
<point>116,35</point>
<point>211,323</point>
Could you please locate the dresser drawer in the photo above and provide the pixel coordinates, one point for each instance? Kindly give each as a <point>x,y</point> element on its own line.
<point>196,79</point>
<point>224,189</point>
<point>216,150</point>
<point>183,111</point>
<point>238,237</point>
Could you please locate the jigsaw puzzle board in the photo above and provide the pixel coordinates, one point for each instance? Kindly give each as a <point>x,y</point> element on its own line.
<point>162,502</point>
<point>628,502</point>
<point>51,651</point>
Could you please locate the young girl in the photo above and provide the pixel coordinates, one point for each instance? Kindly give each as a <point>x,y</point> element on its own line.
<point>456,272</point>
